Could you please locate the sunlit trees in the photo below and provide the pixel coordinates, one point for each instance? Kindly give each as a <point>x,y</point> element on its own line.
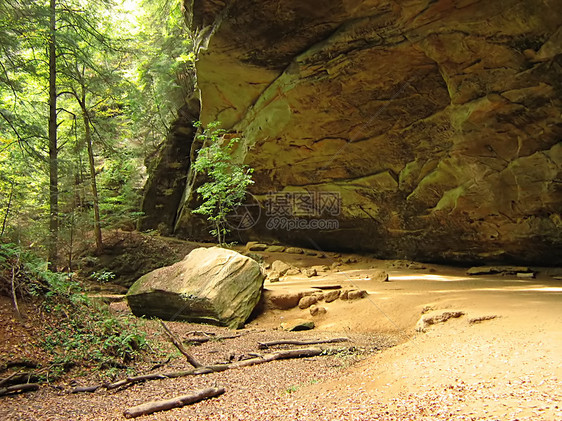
<point>86,94</point>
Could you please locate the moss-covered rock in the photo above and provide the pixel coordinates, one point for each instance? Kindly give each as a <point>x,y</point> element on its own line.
<point>211,285</point>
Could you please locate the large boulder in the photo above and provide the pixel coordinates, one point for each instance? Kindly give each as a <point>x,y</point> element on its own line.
<point>210,285</point>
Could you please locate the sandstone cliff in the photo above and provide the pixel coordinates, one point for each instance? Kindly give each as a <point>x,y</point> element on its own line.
<point>437,122</point>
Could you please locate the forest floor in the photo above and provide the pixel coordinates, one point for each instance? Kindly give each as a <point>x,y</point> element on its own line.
<point>500,360</point>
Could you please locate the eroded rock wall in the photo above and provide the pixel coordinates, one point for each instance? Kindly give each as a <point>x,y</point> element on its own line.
<point>437,122</point>
<point>167,180</point>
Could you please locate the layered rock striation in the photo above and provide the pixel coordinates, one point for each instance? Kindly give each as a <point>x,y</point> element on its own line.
<point>436,123</point>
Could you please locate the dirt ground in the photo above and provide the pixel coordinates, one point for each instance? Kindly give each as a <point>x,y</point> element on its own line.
<point>500,360</point>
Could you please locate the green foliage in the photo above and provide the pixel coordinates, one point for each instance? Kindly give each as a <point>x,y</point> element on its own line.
<point>228,180</point>
<point>164,74</point>
<point>92,336</point>
<point>120,184</point>
<point>292,389</point>
<point>124,69</point>
<point>78,331</point>
<point>103,275</point>
<point>28,270</point>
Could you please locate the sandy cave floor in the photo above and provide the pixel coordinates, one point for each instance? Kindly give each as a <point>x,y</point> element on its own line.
<point>507,368</point>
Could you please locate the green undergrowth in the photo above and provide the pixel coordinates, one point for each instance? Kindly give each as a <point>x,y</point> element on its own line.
<point>76,330</point>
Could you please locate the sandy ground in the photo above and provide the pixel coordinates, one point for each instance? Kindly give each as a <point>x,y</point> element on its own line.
<point>506,368</point>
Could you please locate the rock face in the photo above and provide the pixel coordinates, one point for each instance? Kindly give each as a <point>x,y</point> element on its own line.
<point>437,123</point>
<point>211,285</point>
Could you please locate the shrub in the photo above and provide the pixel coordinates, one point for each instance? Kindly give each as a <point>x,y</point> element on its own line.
<point>228,180</point>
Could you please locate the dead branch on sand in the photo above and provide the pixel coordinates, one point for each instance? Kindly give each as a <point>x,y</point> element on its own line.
<point>177,402</point>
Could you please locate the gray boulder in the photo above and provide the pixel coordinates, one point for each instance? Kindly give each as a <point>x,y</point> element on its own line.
<point>210,285</point>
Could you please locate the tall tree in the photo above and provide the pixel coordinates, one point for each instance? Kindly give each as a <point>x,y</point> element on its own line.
<point>53,141</point>
<point>71,98</point>
<point>69,55</point>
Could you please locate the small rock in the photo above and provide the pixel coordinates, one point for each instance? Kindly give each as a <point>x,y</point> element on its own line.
<point>310,272</point>
<point>335,265</point>
<point>294,250</point>
<point>426,309</point>
<point>282,301</point>
<point>297,324</point>
<point>321,268</point>
<point>274,277</point>
<point>491,270</point>
<point>356,294</point>
<point>293,272</point>
<point>416,266</point>
<point>317,310</point>
<point>280,267</point>
<point>254,246</point>
<point>344,294</point>
<point>379,276</point>
<point>332,295</point>
<point>529,275</point>
<point>307,301</point>
<point>275,249</point>
<point>310,253</point>
<point>436,317</point>
<point>481,319</point>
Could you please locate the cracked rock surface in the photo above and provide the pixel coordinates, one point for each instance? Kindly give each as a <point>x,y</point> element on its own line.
<point>438,123</point>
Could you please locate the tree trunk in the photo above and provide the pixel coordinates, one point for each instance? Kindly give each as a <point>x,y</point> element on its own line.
<point>53,147</point>
<point>7,209</point>
<point>97,225</point>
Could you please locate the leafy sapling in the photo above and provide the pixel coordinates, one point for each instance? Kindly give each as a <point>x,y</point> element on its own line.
<point>227,181</point>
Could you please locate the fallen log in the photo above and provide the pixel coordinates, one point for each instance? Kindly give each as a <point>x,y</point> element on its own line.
<point>21,378</point>
<point>203,339</point>
<point>180,347</point>
<point>278,355</point>
<point>89,389</point>
<point>200,333</point>
<point>265,345</point>
<point>17,388</point>
<point>135,379</point>
<point>207,338</point>
<point>177,402</point>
